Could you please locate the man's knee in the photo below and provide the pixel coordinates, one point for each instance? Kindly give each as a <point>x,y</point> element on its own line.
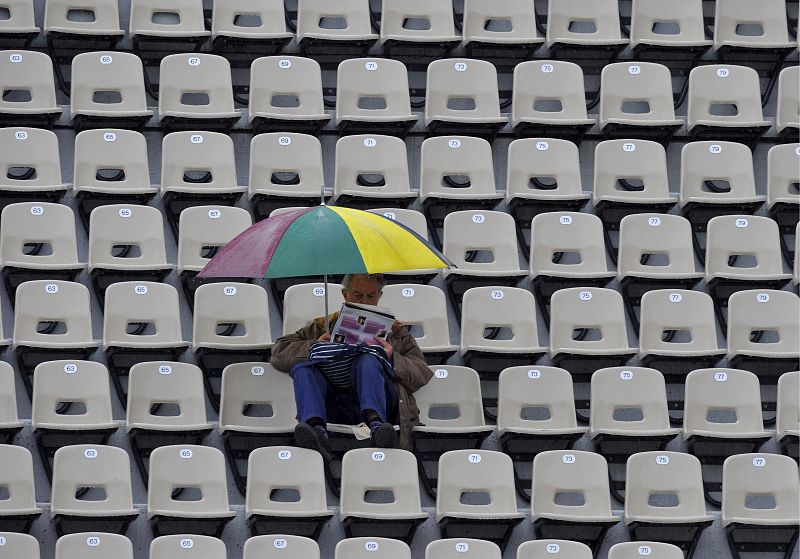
<point>301,372</point>
<point>366,362</point>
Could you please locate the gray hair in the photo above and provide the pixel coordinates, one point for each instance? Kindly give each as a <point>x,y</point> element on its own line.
<point>377,278</point>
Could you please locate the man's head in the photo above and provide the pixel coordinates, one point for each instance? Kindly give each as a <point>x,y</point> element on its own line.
<point>365,289</point>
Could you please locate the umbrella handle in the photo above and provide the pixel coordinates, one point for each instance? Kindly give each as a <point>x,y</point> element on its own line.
<point>327,324</point>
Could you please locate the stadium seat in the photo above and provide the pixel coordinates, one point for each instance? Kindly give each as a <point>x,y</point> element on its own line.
<point>652,550</point>
<point>141,322</point>
<point>305,302</point>
<point>197,169</point>
<point>535,412</point>
<point>544,175</point>
<point>722,417</point>
<point>547,549</point>
<point>10,424</point>
<point>343,32</point>
<point>415,221</point>
<point>244,29</point>
<point>126,243</point>
<point>372,548</point>
<point>52,321</point>
<point>636,102</point>
<point>275,547</point>
<point>749,481</point>
<point>29,92</point>
<point>481,245</point>
<point>110,167</point>
<point>372,171</point>
<point>461,97</point>
<point>585,32</point>
<point>286,492</point>
<point>190,469</point>
<point>787,114</point>
<point>32,166</point>
<point>569,497</point>
<point>166,406</point>
<point>456,173</point>
<point>451,418</point>
<point>107,89</point>
<point>500,30</point>
<point>423,309</point>
<point>203,231</point>
<point>71,405</point>
<point>788,418</point>
<point>466,548</point>
<point>257,409</point>
<point>78,26</point>
<point>93,545</point>
<point>725,104</point>
<point>372,97</point>
<point>567,250</point>
<point>418,29</point>
<point>19,28</point>
<point>628,415</point>
<point>38,241</point>
<point>196,93</point>
<point>783,192</point>
<point>187,545</point>
<point>286,95</point>
<point>107,505</point>
<point>157,28</point>
<point>476,496</point>
<point>231,325</point>
<point>380,494</point>
<point>549,101</point>
<point>18,546</point>
<point>18,511</point>
<point>671,32</point>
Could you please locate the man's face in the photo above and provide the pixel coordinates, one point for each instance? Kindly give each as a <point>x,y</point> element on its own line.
<point>362,290</point>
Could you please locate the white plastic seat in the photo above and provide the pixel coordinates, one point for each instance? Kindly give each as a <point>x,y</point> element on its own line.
<point>29,91</point>
<point>500,30</point>
<point>587,33</point>
<point>418,29</point>
<point>343,32</point>
<point>19,28</point>
<point>245,29</point>
<point>668,31</point>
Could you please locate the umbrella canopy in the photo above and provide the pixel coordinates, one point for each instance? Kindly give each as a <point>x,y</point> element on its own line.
<point>323,240</point>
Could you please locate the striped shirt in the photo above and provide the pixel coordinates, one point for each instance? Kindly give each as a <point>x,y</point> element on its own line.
<point>335,361</point>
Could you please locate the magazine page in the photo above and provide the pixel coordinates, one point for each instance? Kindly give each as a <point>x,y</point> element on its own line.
<point>361,323</point>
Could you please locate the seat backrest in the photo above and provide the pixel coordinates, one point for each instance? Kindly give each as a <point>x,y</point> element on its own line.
<point>756,477</point>
<point>782,181</point>
<point>186,154</point>
<point>21,19</point>
<point>139,227</point>
<point>456,156</point>
<point>651,550</point>
<point>724,401</point>
<point>149,303</point>
<point>239,308</point>
<point>372,548</point>
<point>29,158</point>
<point>368,88</point>
<point>258,18</point>
<point>690,314</point>
<point>95,466</point>
<point>31,74</point>
<point>489,232</point>
<point>487,21</point>
<point>94,72</point>
<point>603,16</point>
<point>100,155</point>
<point>461,87</point>
<point>16,478</point>
<point>349,18</point>
<point>412,219</point>
<point>249,386</point>
<point>572,472</point>
<point>636,91</point>
<point>190,466</point>
<point>592,308</point>
<point>51,313</point>
<point>94,545</point>
<point>205,229</point>
<point>452,398</point>
<point>176,386</point>
<point>29,223</point>
<point>743,23</point>
<point>286,161</point>
<point>371,164</point>
<point>553,549</point>
<point>535,398</point>
<point>18,546</point>
<point>628,399</point>
<point>679,22</point>
<point>56,383</point>
<point>195,84</point>
<point>663,485</point>
<point>462,548</point>
<point>548,90</point>
<point>578,237</point>
<point>716,161</point>
<point>390,470</point>
<point>179,17</point>
<point>771,313</point>
<point>305,301</point>
<point>743,245</point>
<point>717,87</point>
<point>635,169</point>
<point>286,87</point>
<point>788,110</point>
<point>667,238</point>
<point>189,546</point>
<point>276,547</point>
<point>478,472</point>
<point>418,20</point>
<point>547,167</point>
<point>8,397</point>
<point>271,470</point>
<point>788,417</point>
<point>420,307</point>
<point>499,307</point>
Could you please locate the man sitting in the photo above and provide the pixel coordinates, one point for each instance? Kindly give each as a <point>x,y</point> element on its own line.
<point>377,389</point>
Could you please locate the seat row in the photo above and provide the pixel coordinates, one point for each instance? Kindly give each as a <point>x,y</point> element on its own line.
<point>372,96</point>
<point>476,498</point>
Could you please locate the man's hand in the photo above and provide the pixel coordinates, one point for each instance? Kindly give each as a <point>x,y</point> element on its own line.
<point>387,347</point>
<point>326,337</point>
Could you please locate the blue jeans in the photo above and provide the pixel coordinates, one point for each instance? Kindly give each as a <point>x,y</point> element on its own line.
<point>371,390</point>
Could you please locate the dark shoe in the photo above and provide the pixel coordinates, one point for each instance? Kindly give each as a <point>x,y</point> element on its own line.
<point>383,436</point>
<point>313,438</point>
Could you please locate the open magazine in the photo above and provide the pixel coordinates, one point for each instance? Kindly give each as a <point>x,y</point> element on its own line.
<point>361,323</point>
